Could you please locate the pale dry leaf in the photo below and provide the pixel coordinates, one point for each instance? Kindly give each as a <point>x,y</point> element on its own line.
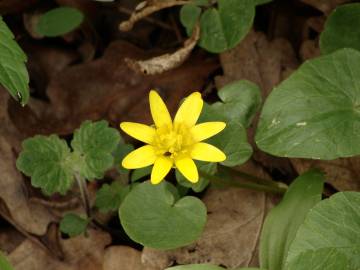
<point>342,174</point>
<point>231,235</point>
<point>166,62</point>
<point>124,258</point>
<point>79,253</point>
<point>148,9</point>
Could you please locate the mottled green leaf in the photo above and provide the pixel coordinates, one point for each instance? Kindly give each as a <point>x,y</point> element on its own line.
<point>150,214</point>
<point>59,21</point>
<point>94,143</point>
<point>283,221</point>
<point>13,73</point>
<point>342,29</point>
<point>315,113</point>
<point>48,161</point>
<point>109,197</point>
<point>73,225</point>
<point>333,225</point>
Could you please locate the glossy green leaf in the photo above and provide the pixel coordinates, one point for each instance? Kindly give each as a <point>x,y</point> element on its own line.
<point>342,29</point>
<point>189,14</point>
<point>93,144</point>
<point>315,113</point>
<point>283,221</point>
<point>208,168</point>
<point>140,173</point>
<point>59,21</point>
<point>150,213</point>
<point>225,27</point>
<point>232,140</point>
<point>109,197</point>
<point>334,225</point>
<point>120,152</point>
<point>13,73</point>
<point>48,161</point>
<point>73,225</point>
<point>204,267</point>
<point>240,101</point>
<point>324,259</point>
<point>4,263</point>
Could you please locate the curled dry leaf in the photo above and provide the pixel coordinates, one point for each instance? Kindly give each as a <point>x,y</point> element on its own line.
<point>325,6</point>
<point>165,62</point>
<point>79,253</point>
<point>231,235</point>
<point>147,8</point>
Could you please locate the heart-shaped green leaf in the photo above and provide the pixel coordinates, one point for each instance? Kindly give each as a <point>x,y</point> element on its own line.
<point>93,144</point>
<point>151,216</point>
<point>241,100</point>
<point>225,27</point>
<point>73,224</point>
<point>48,161</point>
<point>315,113</point>
<point>342,29</point>
<point>331,227</point>
<point>59,21</point>
<point>13,73</point>
<point>283,221</point>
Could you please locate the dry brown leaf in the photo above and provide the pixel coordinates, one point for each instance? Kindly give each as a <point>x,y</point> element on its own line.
<point>231,235</point>
<point>325,6</point>
<point>166,62</point>
<point>342,174</point>
<point>107,89</point>
<point>79,253</point>
<point>124,258</point>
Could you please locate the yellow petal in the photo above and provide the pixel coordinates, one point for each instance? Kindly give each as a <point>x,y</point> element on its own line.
<point>188,169</point>
<point>206,130</point>
<point>141,157</point>
<point>161,168</point>
<point>140,132</point>
<point>207,152</point>
<point>159,112</point>
<point>190,110</point>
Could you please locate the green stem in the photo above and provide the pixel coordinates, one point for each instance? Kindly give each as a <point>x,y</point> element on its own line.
<point>266,182</point>
<point>84,194</point>
<point>248,185</point>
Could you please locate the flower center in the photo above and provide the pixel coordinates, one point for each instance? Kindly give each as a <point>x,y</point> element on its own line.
<point>170,141</point>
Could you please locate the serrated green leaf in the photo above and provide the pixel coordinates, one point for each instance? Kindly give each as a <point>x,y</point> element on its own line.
<point>241,101</point>
<point>315,113</point>
<point>208,168</point>
<point>109,197</point>
<point>4,263</point>
<point>189,14</point>
<point>334,225</point>
<point>342,29</point>
<point>140,173</point>
<point>223,28</point>
<point>13,73</point>
<point>47,160</point>
<point>59,21</point>
<point>283,221</point>
<point>73,225</point>
<point>94,143</point>
<point>120,152</point>
<point>150,213</point>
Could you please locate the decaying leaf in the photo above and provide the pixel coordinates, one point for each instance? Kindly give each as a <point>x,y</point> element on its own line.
<point>230,238</point>
<point>165,62</point>
<point>325,6</point>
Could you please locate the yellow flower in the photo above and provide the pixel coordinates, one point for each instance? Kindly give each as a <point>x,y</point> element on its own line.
<point>173,143</point>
